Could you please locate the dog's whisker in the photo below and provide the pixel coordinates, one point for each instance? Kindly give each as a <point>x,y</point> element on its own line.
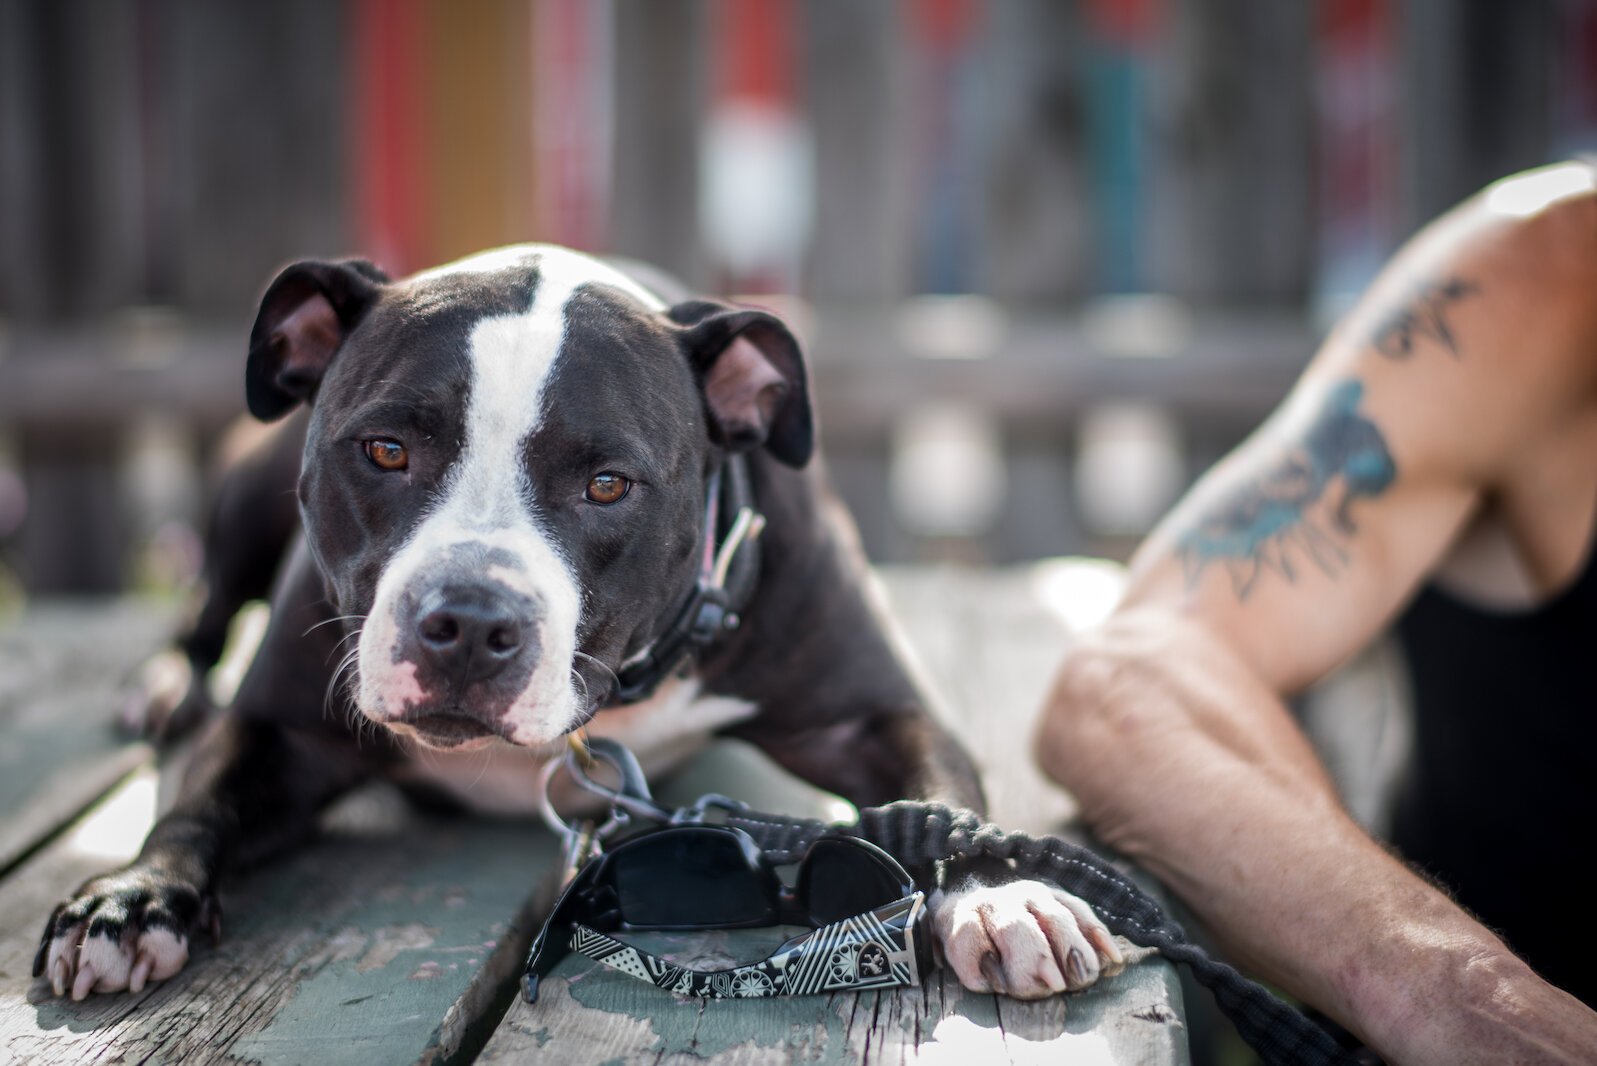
<point>585,657</point>
<point>353,635</point>
<point>330,621</point>
<point>344,676</point>
<point>484,759</point>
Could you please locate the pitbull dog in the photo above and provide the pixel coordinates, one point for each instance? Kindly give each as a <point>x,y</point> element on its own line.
<point>518,473</point>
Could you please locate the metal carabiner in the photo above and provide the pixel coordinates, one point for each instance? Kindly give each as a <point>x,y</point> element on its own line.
<point>631,800</point>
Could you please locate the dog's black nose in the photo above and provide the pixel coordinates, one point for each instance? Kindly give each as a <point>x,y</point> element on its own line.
<point>468,632</point>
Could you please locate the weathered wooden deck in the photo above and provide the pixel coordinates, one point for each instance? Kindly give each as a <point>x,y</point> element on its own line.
<point>397,936</point>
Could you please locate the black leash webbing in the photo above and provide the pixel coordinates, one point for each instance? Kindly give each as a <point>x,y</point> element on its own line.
<point>918,834</point>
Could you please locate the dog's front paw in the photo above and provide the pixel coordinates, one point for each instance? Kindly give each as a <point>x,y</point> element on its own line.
<point>121,931</point>
<point>165,700</point>
<point>1024,939</point>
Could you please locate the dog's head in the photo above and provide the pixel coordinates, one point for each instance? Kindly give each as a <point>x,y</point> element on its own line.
<point>505,470</point>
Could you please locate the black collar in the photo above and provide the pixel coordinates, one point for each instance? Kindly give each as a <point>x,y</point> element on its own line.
<point>727,574</point>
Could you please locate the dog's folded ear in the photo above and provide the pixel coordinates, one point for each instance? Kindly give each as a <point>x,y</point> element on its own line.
<point>307,312</point>
<point>753,378</point>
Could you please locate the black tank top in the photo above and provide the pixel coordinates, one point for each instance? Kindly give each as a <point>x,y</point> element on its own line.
<point>1500,800</point>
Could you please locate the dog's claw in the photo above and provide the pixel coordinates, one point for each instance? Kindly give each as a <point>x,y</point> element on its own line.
<point>1076,975</point>
<point>43,956</point>
<point>991,971</point>
<point>58,977</point>
<point>141,972</point>
<point>1023,939</point>
<point>85,982</point>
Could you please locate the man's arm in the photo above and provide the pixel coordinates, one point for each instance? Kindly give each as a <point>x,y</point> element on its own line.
<point>1168,724</point>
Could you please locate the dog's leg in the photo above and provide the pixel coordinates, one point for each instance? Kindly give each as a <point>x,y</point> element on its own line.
<point>259,778</point>
<point>254,787</point>
<point>252,520</point>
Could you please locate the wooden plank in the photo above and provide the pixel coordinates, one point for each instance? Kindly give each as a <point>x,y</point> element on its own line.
<point>61,670</point>
<point>479,177</point>
<point>1475,96</point>
<point>84,240</point>
<point>384,942</point>
<point>1231,209</point>
<point>1237,365</point>
<point>593,1014</point>
<point>1034,244</point>
<point>75,540</point>
<point>255,97</point>
<point>24,240</point>
<point>857,88</point>
<point>660,88</point>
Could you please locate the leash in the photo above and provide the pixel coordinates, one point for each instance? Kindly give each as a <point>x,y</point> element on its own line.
<point>920,835</point>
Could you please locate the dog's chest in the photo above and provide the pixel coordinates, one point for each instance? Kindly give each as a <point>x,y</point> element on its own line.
<point>662,731</point>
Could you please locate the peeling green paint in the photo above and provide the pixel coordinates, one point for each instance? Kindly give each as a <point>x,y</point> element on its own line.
<point>376,990</point>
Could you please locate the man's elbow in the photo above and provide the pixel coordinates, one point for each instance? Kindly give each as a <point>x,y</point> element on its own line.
<point>1112,714</point>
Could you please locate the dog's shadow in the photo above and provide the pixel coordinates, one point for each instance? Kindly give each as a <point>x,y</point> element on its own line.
<point>52,1012</point>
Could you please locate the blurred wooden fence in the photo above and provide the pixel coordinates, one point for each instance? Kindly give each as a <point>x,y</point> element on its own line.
<point>159,159</point>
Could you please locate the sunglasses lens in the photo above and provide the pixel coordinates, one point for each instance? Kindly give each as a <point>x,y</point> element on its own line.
<point>842,878</point>
<point>692,877</point>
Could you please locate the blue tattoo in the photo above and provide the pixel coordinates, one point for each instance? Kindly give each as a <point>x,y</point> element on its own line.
<point>1425,317</point>
<point>1268,525</point>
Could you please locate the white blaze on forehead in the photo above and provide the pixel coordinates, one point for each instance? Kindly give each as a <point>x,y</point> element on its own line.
<point>511,357</point>
<point>485,499</point>
<point>559,269</point>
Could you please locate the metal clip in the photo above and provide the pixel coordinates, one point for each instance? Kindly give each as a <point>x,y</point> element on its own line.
<point>631,800</point>
<point>582,844</point>
<point>748,525</point>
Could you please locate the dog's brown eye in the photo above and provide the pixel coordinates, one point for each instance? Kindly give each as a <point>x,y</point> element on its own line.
<point>606,488</point>
<point>386,454</point>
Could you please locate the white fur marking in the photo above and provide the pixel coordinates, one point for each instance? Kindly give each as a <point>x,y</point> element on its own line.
<point>101,964</point>
<point>1022,929</point>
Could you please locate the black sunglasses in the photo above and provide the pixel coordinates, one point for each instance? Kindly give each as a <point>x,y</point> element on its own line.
<point>865,914</point>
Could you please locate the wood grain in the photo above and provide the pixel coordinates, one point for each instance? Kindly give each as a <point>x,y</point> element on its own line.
<point>595,1015</point>
<point>62,669</point>
<point>383,942</point>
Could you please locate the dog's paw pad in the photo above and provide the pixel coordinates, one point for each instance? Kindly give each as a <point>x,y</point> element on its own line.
<point>1024,939</point>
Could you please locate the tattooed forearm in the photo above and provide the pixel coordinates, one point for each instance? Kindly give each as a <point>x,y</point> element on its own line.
<point>1299,511</point>
<point>1424,317</point>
